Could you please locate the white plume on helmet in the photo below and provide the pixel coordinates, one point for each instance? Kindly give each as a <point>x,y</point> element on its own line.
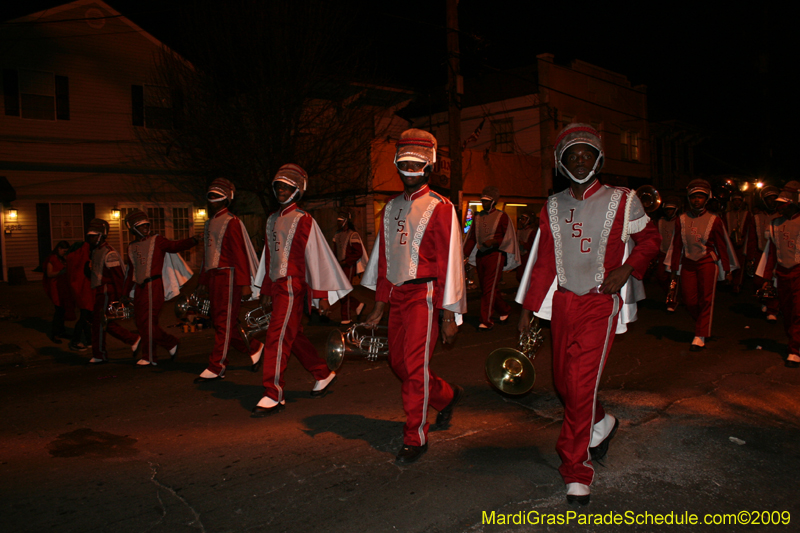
<point>295,176</point>
<point>416,145</point>
<point>571,135</point>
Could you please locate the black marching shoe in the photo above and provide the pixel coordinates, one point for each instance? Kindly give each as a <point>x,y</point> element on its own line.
<point>444,416</point>
<point>204,379</point>
<point>321,387</point>
<point>578,493</point>
<point>598,453</point>
<point>260,412</point>
<point>409,454</point>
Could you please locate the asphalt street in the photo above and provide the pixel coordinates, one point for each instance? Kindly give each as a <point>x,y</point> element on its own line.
<point>119,448</point>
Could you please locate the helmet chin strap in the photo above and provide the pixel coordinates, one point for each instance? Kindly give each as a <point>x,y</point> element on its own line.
<point>584,180</point>
<point>291,198</point>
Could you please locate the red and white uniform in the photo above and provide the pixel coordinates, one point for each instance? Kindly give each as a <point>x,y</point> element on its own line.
<point>578,242</point>
<point>107,278</point>
<point>491,262</point>
<point>763,222</point>
<point>148,274</point>
<point>296,259</point>
<point>416,266</point>
<point>525,237</point>
<point>781,260</point>
<point>743,223</point>
<point>229,264</point>
<point>81,286</point>
<point>701,253</point>
<point>57,288</point>
<point>352,256</point>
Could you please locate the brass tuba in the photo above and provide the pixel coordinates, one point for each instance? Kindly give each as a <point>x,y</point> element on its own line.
<point>359,339</point>
<point>256,320</point>
<point>650,198</point>
<point>192,304</point>
<point>511,371</point>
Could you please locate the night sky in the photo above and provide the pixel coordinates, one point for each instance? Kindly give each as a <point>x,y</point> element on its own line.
<point>720,69</point>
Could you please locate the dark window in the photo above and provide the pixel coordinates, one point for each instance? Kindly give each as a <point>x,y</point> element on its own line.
<point>11,92</point>
<point>152,106</point>
<point>62,98</point>
<point>137,105</point>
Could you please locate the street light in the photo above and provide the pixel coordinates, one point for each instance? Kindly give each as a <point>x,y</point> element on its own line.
<point>115,214</point>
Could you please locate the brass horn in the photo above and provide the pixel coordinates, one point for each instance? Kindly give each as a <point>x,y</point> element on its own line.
<point>117,311</point>
<point>256,320</point>
<point>359,339</point>
<point>192,304</point>
<point>650,198</point>
<point>511,371</point>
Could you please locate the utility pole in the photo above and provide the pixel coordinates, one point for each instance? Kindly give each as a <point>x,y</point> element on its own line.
<point>455,89</point>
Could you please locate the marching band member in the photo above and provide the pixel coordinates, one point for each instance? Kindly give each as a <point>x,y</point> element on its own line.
<point>353,258</point>
<point>592,238</point>
<point>296,259</point>
<point>763,221</point>
<point>492,248</point>
<point>56,287</point>
<point>526,233</point>
<point>666,227</point>
<point>780,259</point>
<point>107,277</point>
<point>157,274</point>
<point>229,265</point>
<point>416,265</point>
<point>742,233</point>
<point>700,254</point>
<point>84,295</point>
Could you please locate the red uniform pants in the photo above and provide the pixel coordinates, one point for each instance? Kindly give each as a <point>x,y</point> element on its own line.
<point>789,297</point>
<point>226,300</point>
<point>583,329</point>
<point>350,303</point>
<point>698,288</point>
<point>490,268</point>
<point>148,300</point>
<point>285,336</point>
<point>413,330</point>
<point>104,295</point>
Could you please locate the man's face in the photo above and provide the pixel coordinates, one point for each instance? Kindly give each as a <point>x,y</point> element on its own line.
<point>144,229</point>
<point>579,160</point>
<point>769,201</point>
<point>487,204</point>
<point>342,222</point>
<point>698,200</point>
<point>737,202</point>
<point>283,191</point>
<point>93,239</point>
<point>523,221</point>
<point>412,182</point>
<point>214,207</point>
<point>670,212</point>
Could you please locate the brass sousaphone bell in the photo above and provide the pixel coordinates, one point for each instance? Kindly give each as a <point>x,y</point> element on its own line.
<point>650,198</point>
<point>359,339</point>
<point>511,371</point>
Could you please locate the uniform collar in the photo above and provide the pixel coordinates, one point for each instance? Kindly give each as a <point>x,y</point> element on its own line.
<point>221,212</point>
<point>489,212</point>
<point>593,188</point>
<point>287,210</point>
<point>421,191</point>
